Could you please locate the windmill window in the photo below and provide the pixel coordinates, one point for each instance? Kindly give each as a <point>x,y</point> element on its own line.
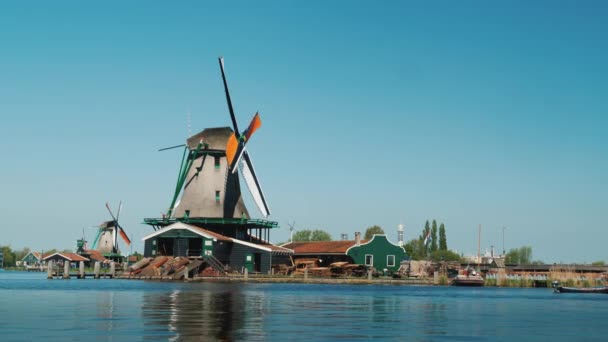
<point>217,162</point>
<point>369,260</point>
<point>217,196</point>
<point>390,260</point>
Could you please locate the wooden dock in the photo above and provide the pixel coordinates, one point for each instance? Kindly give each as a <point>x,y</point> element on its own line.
<point>65,272</point>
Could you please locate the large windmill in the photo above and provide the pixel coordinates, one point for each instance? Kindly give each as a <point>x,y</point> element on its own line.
<point>209,184</point>
<point>106,241</point>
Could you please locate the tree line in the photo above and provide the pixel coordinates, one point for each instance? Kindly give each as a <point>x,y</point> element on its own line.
<point>308,235</point>
<point>432,244</point>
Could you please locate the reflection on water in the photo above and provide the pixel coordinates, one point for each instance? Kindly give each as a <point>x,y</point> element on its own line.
<point>33,308</point>
<point>190,313</point>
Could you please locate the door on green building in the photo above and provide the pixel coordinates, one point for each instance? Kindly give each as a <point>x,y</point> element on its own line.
<point>207,247</point>
<point>249,262</point>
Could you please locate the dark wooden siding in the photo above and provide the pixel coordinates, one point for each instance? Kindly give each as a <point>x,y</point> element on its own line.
<point>180,246</point>
<point>281,259</point>
<point>221,251</point>
<point>148,248</point>
<point>237,258</point>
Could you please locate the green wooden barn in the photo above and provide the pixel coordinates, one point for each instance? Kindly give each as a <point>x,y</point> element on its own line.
<point>379,253</point>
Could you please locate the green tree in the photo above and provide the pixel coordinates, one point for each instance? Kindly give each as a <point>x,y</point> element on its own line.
<point>19,255</point>
<point>427,228</point>
<point>320,235</point>
<point>423,249</point>
<point>434,237</point>
<point>598,263</point>
<point>519,256</point>
<point>445,255</point>
<point>9,256</point>
<point>371,231</point>
<point>51,251</point>
<point>415,249</point>
<point>443,242</point>
<point>311,235</point>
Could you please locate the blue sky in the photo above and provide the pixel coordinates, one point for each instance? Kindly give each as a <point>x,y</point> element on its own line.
<point>373,113</point>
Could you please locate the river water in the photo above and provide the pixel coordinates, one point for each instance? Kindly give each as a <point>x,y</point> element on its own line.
<point>34,308</point>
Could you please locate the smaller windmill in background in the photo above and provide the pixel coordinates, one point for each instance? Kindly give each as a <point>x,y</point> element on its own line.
<point>81,244</point>
<point>106,241</point>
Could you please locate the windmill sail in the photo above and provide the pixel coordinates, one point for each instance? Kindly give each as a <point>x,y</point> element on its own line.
<point>124,236</point>
<point>253,184</point>
<point>240,148</point>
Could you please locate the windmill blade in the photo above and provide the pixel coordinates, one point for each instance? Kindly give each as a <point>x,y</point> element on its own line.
<point>232,147</point>
<point>124,236</point>
<point>110,211</point>
<point>255,123</point>
<point>253,184</point>
<point>237,161</point>
<point>237,148</point>
<point>118,213</point>
<point>234,124</point>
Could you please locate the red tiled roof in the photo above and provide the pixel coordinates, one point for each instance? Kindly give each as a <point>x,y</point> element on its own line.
<point>67,256</point>
<point>276,248</point>
<point>321,247</point>
<point>219,237</point>
<point>95,255</point>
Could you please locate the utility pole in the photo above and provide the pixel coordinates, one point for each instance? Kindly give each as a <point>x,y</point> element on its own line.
<point>503,241</point>
<point>479,248</point>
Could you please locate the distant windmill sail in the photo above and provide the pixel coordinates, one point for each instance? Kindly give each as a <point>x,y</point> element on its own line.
<point>124,236</point>
<point>107,238</point>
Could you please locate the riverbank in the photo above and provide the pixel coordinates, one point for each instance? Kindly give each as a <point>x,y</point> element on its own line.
<point>289,279</point>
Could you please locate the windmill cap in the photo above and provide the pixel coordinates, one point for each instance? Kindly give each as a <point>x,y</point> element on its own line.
<point>214,138</point>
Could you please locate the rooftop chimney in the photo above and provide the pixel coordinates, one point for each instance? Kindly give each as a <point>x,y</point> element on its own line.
<point>357,238</point>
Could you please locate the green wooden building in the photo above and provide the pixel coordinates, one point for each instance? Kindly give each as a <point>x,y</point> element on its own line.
<point>31,259</point>
<point>378,253</point>
<point>183,240</point>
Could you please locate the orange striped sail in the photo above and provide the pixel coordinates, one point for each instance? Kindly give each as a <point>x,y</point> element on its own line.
<point>231,148</point>
<point>253,126</point>
<point>124,237</point>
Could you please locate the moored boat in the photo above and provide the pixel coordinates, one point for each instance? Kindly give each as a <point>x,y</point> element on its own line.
<point>469,278</point>
<point>566,289</point>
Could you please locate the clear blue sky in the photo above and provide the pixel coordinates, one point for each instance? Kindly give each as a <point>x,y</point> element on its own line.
<point>373,113</point>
